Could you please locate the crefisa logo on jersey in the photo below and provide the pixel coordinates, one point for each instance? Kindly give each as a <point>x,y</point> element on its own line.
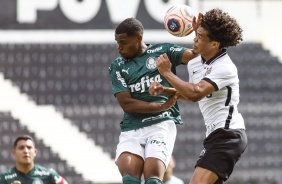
<point>37,181</point>
<point>151,63</point>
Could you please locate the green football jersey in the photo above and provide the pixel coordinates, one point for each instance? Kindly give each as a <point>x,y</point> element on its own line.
<point>136,75</point>
<point>38,175</point>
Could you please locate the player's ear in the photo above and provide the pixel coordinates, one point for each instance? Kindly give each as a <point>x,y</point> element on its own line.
<point>13,152</point>
<point>139,37</point>
<point>35,152</point>
<point>215,44</point>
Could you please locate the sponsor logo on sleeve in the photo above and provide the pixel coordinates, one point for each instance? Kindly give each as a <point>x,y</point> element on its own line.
<point>121,79</point>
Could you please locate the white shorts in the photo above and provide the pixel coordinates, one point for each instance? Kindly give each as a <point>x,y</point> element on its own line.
<point>153,141</point>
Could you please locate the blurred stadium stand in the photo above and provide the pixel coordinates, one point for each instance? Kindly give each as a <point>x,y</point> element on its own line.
<point>10,128</point>
<point>58,62</point>
<point>74,78</point>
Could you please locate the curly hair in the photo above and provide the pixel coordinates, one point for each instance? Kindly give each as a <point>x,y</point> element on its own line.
<point>222,28</point>
<point>130,26</point>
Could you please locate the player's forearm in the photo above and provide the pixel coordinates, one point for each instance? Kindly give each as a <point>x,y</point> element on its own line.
<point>172,91</point>
<point>169,91</point>
<point>188,91</point>
<point>139,106</point>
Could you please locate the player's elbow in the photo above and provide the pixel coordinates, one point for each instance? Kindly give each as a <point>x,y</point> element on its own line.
<point>195,98</point>
<point>126,107</point>
<point>194,94</point>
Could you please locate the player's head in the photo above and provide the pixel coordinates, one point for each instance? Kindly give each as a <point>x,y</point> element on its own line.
<point>24,150</point>
<point>217,30</point>
<point>128,35</point>
<point>222,28</point>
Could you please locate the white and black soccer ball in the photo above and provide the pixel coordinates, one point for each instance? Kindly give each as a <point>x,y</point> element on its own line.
<point>178,20</point>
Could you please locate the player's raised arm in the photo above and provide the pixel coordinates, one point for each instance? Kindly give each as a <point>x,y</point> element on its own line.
<point>157,89</point>
<point>132,105</point>
<point>189,91</point>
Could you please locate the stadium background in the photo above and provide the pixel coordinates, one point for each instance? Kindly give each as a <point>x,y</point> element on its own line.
<point>54,84</point>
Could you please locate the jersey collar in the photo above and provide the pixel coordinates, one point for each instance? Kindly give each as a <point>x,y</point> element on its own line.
<point>213,59</point>
<point>24,173</point>
<point>148,46</point>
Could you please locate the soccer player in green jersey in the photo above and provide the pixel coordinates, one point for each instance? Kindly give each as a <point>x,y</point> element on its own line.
<point>148,127</point>
<point>25,171</point>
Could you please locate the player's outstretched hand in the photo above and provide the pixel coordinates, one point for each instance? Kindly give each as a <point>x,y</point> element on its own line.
<point>170,102</point>
<point>156,88</point>
<point>197,22</point>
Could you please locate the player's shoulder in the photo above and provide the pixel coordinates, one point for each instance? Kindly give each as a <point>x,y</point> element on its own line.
<point>226,65</point>
<point>117,63</point>
<point>165,46</point>
<point>38,169</point>
<point>8,172</point>
<point>118,60</point>
<point>195,61</point>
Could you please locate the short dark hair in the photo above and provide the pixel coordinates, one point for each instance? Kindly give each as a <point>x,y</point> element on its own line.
<point>130,26</point>
<point>222,28</point>
<point>22,137</point>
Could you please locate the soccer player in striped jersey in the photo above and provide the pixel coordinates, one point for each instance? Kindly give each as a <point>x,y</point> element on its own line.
<point>25,171</point>
<point>214,83</point>
<point>148,127</point>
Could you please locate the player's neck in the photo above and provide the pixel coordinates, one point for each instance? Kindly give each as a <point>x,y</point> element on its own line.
<point>211,54</point>
<point>143,47</point>
<point>24,168</point>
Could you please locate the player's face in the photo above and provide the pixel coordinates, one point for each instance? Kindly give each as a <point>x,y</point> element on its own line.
<point>203,45</point>
<point>128,46</point>
<point>24,152</point>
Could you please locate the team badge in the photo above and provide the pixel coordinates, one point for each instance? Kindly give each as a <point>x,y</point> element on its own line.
<point>151,63</point>
<point>208,70</point>
<point>37,181</point>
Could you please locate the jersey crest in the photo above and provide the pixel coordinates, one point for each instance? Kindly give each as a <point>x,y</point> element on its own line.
<point>208,71</point>
<point>151,63</point>
<point>37,181</point>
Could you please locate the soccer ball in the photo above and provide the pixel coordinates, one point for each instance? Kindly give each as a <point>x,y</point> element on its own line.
<point>178,20</point>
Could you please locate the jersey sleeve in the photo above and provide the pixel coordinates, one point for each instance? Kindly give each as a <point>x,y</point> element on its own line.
<point>174,53</point>
<point>118,81</point>
<point>221,76</point>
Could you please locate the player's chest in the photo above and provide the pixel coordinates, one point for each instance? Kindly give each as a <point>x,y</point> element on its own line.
<point>198,72</point>
<point>31,180</point>
<point>141,67</point>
